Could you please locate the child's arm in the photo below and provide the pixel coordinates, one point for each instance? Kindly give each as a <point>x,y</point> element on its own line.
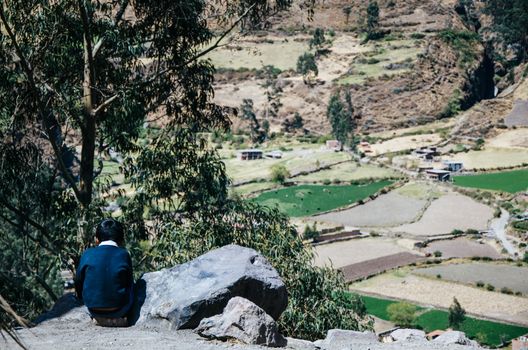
<point>79,279</point>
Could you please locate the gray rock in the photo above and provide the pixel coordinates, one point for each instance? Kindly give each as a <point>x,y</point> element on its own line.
<point>180,297</point>
<point>300,344</point>
<point>244,321</point>
<point>455,337</point>
<point>408,335</point>
<point>68,309</point>
<point>343,339</point>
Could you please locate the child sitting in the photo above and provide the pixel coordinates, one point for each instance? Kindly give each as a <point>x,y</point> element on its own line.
<point>104,278</point>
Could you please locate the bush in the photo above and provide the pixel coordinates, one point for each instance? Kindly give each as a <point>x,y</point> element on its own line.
<point>417,36</point>
<point>506,290</point>
<point>480,284</point>
<point>402,314</point>
<point>279,173</point>
<point>457,232</point>
<point>437,253</point>
<point>311,232</point>
<point>490,287</point>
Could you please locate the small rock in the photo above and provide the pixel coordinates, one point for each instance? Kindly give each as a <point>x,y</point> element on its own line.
<point>300,344</point>
<point>244,321</point>
<point>339,339</point>
<point>408,335</point>
<point>454,337</point>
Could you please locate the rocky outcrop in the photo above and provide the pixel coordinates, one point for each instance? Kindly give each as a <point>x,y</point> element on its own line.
<point>404,339</point>
<point>244,321</point>
<point>180,297</point>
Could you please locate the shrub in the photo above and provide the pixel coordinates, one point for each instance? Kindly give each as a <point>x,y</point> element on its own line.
<point>402,314</point>
<point>480,284</point>
<point>457,232</point>
<point>439,276</point>
<point>490,287</point>
<point>311,232</point>
<point>327,182</point>
<point>506,290</point>
<point>279,173</point>
<point>417,36</point>
<point>437,253</point>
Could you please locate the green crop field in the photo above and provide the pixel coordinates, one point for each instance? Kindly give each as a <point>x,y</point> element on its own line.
<point>507,181</point>
<point>488,332</point>
<point>307,200</point>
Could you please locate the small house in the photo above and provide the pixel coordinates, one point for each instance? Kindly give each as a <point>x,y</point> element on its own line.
<point>439,175</point>
<point>334,145</point>
<point>520,343</point>
<point>250,154</point>
<point>453,166</point>
<point>426,153</point>
<point>424,168</point>
<point>274,154</point>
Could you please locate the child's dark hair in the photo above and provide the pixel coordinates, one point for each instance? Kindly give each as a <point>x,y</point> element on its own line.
<point>110,230</point>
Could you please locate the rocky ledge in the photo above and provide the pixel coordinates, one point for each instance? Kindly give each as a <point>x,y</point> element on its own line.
<point>231,297</point>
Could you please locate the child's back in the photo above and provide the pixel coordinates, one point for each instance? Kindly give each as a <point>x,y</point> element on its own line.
<point>104,279</point>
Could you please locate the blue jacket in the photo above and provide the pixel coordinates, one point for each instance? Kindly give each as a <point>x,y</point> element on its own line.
<point>104,277</point>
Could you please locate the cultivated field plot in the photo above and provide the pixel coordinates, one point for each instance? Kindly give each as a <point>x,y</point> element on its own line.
<point>447,213</point>
<point>355,251</point>
<point>519,114</point>
<point>405,143</point>
<point>349,171</point>
<point>439,293</point>
<point>491,158</point>
<point>510,139</point>
<point>506,181</point>
<point>247,189</point>
<point>429,128</point>
<point>431,320</point>
<point>306,200</point>
<point>386,210</point>
<point>303,158</point>
<point>254,55</point>
<point>497,275</point>
<point>462,248</point>
<point>372,267</point>
<point>374,64</point>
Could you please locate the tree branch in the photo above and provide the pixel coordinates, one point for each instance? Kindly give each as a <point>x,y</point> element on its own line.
<point>206,51</point>
<point>118,17</point>
<point>43,112</point>
<point>105,104</point>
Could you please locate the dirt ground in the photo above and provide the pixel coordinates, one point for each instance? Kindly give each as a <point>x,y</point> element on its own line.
<point>497,275</point>
<point>491,158</point>
<point>519,114</point>
<point>354,251</point>
<point>447,213</point>
<point>462,248</point>
<point>386,210</point>
<point>439,293</point>
<point>372,267</point>
<point>510,139</point>
<point>405,143</point>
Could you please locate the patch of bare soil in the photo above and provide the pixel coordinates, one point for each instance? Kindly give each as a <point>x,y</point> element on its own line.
<point>372,267</point>
<point>386,210</point>
<point>440,293</point>
<point>355,251</point>
<point>447,213</point>
<point>462,248</point>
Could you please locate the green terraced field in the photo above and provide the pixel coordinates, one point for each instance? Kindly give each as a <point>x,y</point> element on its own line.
<point>490,333</point>
<point>306,200</point>
<point>507,181</point>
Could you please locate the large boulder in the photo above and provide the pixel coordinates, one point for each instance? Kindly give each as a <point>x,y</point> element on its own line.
<point>453,338</point>
<point>244,321</point>
<point>407,335</point>
<point>180,297</point>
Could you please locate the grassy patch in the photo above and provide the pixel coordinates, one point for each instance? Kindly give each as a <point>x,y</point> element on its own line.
<point>507,181</point>
<point>494,332</point>
<point>306,200</point>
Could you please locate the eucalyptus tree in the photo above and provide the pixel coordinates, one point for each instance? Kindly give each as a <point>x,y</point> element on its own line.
<point>83,79</point>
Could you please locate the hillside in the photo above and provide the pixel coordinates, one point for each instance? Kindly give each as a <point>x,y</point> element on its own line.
<point>426,67</point>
